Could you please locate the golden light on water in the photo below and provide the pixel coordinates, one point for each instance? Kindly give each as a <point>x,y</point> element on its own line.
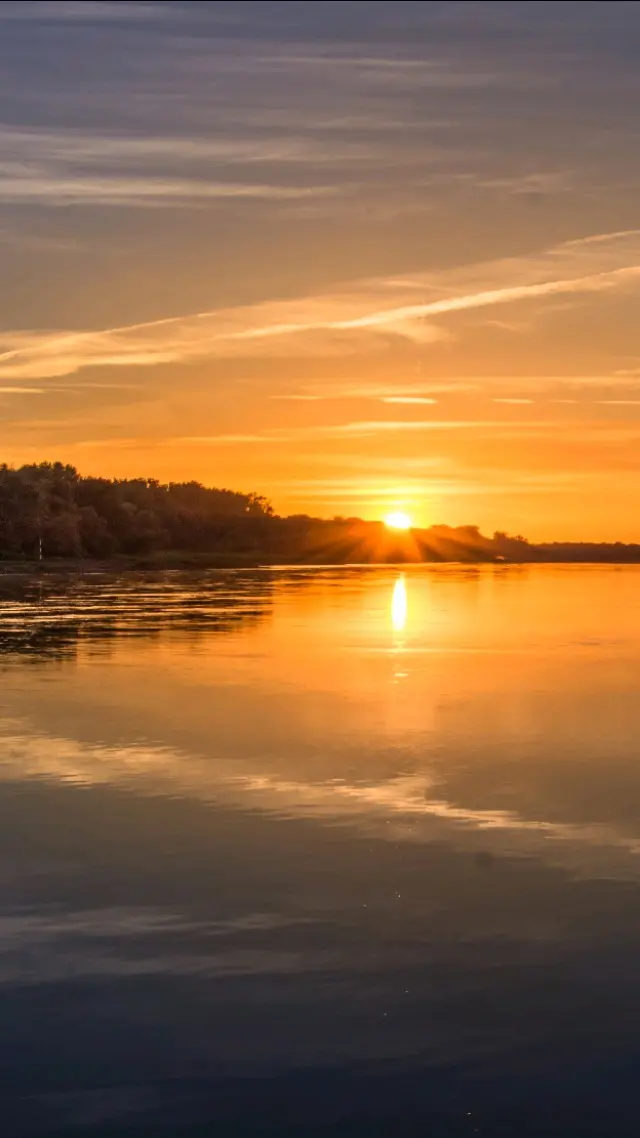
<point>398,521</point>
<point>400,606</point>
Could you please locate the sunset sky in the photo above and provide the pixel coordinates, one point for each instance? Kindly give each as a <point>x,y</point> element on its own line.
<point>357,256</point>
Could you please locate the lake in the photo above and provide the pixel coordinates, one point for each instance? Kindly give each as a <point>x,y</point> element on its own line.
<point>343,851</point>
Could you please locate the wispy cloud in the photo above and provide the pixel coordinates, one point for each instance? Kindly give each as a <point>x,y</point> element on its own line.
<point>410,400</point>
<point>134,191</point>
<point>398,392</point>
<point>367,430</point>
<point>130,167</point>
<point>68,148</point>
<point>22,391</point>
<point>363,393</point>
<point>531,183</point>
<point>515,402</point>
<point>619,402</point>
<point>406,321</point>
<point>364,316</point>
<point>48,10</point>
<point>386,491</point>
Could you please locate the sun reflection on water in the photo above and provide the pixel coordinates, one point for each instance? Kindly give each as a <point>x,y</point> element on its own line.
<point>400,606</point>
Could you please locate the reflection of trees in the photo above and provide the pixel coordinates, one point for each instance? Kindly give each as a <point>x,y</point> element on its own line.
<point>54,619</point>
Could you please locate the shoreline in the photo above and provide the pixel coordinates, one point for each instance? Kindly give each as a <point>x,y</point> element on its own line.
<point>80,566</point>
<point>207,562</point>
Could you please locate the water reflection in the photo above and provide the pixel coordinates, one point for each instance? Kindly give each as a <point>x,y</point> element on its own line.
<point>219,806</point>
<point>54,617</point>
<point>400,605</point>
<point>306,714</point>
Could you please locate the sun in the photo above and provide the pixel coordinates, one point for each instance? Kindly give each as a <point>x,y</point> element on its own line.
<point>398,521</point>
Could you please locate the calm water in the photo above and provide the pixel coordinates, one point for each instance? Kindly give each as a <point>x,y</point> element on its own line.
<point>321,852</point>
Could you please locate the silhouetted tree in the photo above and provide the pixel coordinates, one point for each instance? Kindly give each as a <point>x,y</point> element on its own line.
<point>50,510</point>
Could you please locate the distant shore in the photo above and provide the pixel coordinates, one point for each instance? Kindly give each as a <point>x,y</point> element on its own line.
<point>54,520</point>
<point>184,562</point>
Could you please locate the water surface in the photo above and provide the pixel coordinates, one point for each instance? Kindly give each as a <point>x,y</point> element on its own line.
<point>321,851</point>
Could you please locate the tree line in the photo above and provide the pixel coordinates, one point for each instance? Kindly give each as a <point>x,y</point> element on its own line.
<point>49,510</point>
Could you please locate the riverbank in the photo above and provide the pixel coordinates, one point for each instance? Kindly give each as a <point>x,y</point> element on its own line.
<point>203,562</point>
<point>166,562</point>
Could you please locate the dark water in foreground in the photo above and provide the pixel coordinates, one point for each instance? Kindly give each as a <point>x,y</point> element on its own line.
<point>321,852</point>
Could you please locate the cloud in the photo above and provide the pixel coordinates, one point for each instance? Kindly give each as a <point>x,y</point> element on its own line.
<point>143,166</point>
<point>364,104</point>
<point>365,430</point>
<point>515,402</point>
<point>69,148</point>
<point>52,10</point>
<point>353,392</point>
<point>393,71</point>
<point>365,316</point>
<point>22,391</point>
<point>132,191</point>
<point>410,400</point>
<point>404,393</point>
<point>385,491</point>
<point>532,183</point>
<point>405,316</point>
<point>240,156</point>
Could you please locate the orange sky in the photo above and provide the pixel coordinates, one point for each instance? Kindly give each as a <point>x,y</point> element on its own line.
<point>357,258</point>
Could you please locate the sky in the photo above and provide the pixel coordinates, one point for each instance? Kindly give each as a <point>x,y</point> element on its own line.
<point>357,256</point>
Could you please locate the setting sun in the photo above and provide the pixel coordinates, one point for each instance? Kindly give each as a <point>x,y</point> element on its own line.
<point>398,521</point>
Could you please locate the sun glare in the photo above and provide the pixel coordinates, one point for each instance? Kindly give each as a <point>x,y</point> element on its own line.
<point>398,521</point>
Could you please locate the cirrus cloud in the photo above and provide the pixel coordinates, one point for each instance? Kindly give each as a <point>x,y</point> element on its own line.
<point>361,317</point>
